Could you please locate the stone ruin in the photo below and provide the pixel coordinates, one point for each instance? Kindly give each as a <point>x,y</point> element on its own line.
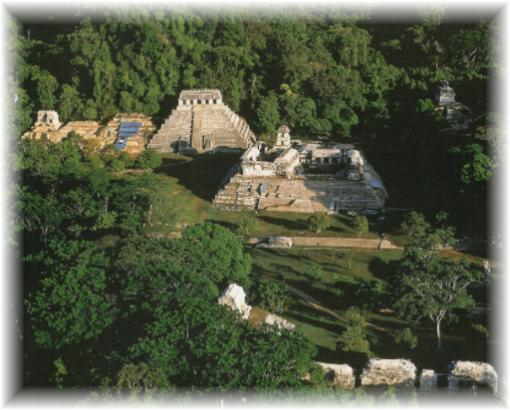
<point>444,94</point>
<point>301,177</point>
<point>279,322</point>
<point>283,137</point>
<point>456,114</point>
<point>202,122</point>
<point>428,379</point>
<point>49,126</point>
<point>377,372</point>
<point>467,372</point>
<point>340,375</point>
<point>234,298</point>
<point>394,372</point>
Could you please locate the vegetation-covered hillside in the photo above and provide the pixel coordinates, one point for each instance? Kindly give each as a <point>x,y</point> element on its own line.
<point>124,259</point>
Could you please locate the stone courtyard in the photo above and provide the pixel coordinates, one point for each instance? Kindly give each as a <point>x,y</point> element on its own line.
<point>293,176</point>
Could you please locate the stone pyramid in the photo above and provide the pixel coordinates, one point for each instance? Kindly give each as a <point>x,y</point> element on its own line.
<point>202,122</point>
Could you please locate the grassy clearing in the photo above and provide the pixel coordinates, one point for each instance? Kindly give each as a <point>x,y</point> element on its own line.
<point>337,280</point>
<point>188,185</point>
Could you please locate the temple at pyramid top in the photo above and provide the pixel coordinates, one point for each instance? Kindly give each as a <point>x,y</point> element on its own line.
<point>202,122</point>
<point>202,96</point>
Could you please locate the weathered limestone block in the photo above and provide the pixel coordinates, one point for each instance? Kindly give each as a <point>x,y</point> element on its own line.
<point>48,118</point>
<point>428,379</point>
<point>233,298</point>
<point>478,372</point>
<point>279,241</point>
<point>389,372</point>
<point>272,319</point>
<point>340,374</point>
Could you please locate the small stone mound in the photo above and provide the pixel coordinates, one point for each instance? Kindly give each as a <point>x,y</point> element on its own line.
<point>479,372</point>
<point>389,372</point>
<point>428,379</point>
<point>341,375</point>
<point>272,319</point>
<point>233,297</point>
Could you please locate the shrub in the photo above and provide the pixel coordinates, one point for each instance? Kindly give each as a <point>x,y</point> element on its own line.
<point>480,328</point>
<point>319,222</point>
<point>148,159</point>
<point>406,337</point>
<point>273,296</point>
<point>126,159</point>
<point>316,271</point>
<point>354,338</point>
<point>247,225</point>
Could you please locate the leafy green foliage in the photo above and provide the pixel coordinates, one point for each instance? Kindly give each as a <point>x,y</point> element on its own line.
<point>360,225</point>
<point>148,159</point>
<point>354,338</point>
<point>273,296</point>
<point>318,222</point>
<point>430,286</point>
<point>214,251</point>
<point>247,225</point>
<point>73,303</point>
<point>406,337</point>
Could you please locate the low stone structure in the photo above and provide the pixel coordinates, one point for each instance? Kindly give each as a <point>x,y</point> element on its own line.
<point>279,241</point>
<point>234,298</point>
<point>472,372</point>
<point>202,122</point>
<point>306,178</point>
<point>48,126</point>
<point>393,372</point>
<point>428,379</point>
<point>456,114</point>
<point>341,375</point>
<point>279,322</point>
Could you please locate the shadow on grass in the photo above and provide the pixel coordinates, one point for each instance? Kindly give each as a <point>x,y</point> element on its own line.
<point>203,174</point>
<point>285,223</point>
<point>229,225</point>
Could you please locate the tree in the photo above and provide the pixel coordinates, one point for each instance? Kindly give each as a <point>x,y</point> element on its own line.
<point>267,113</point>
<point>431,286</point>
<point>71,105</point>
<point>318,222</point>
<point>214,251</point>
<point>46,86</point>
<point>73,303</point>
<point>247,225</point>
<point>354,337</point>
<point>148,159</point>
<point>273,296</point>
<point>360,225</point>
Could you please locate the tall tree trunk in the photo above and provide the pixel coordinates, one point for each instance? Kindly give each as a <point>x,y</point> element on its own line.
<point>438,333</point>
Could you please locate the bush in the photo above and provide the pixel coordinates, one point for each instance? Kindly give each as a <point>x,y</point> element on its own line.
<point>319,222</point>
<point>480,329</point>
<point>126,159</point>
<point>247,225</point>
<point>354,338</point>
<point>148,159</point>
<point>273,296</point>
<point>406,337</point>
<point>316,271</point>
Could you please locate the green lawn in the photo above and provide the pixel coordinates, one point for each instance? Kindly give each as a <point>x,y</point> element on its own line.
<point>340,283</point>
<point>336,279</point>
<point>188,185</point>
